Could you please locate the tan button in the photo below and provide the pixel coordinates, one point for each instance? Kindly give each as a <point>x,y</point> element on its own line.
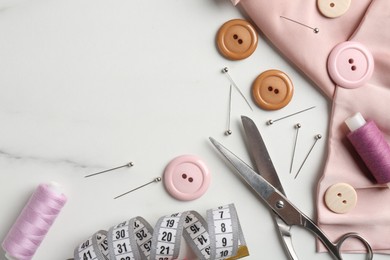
<point>340,198</point>
<point>237,39</point>
<point>272,90</point>
<point>333,8</point>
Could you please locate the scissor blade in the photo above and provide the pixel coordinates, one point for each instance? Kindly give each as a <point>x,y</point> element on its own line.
<point>271,196</point>
<point>260,154</point>
<point>266,169</point>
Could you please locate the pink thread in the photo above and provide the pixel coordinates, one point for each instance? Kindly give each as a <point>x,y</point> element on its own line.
<point>372,147</point>
<point>34,222</point>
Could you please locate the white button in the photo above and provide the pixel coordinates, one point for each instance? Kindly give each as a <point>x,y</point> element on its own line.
<point>333,8</point>
<point>340,198</point>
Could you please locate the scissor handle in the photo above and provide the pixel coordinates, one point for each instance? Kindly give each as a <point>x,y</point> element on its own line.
<point>356,236</point>
<point>335,248</point>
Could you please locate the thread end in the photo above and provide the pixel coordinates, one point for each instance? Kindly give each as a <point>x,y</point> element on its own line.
<point>9,257</point>
<point>354,122</point>
<point>55,187</point>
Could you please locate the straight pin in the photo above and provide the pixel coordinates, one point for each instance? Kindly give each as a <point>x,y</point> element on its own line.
<point>315,30</point>
<point>317,137</point>
<point>297,126</point>
<point>123,194</point>
<point>126,165</point>
<point>270,122</point>
<point>228,131</point>
<point>225,70</point>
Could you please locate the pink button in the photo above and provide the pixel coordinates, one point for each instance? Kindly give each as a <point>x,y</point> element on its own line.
<point>350,64</point>
<point>186,177</point>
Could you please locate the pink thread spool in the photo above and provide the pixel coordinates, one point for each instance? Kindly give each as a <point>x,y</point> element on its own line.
<point>35,220</point>
<point>372,147</point>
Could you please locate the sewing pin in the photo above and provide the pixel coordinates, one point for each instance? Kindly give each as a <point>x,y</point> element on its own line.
<point>126,165</point>
<point>315,30</point>
<point>225,70</point>
<point>317,137</point>
<point>297,126</point>
<point>229,131</point>
<point>270,122</point>
<point>155,180</point>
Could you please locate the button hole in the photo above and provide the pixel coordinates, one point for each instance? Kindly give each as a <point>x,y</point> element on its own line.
<point>276,91</point>
<point>184,176</point>
<point>350,61</point>
<point>270,88</point>
<point>339,194</point>
<point>344,201</point>
<point>190,179</point>
<point>240,41</point>
<point>235,36</point>
<point>353,68</point>
<point>332,4</point>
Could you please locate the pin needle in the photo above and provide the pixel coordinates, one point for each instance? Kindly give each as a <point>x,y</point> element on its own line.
<point>228,131</point>
<point>155,180</point>
<point>317,137</point>
<point>315,30</point>
<point>270,122</point>
<point>297,126</point>
<point>226,71</point>
<point>126,165</point>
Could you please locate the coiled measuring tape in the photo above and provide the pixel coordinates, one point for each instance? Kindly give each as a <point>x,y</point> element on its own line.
<point>220,237</point>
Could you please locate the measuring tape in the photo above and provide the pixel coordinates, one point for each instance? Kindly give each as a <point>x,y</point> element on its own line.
<point>220,237</point>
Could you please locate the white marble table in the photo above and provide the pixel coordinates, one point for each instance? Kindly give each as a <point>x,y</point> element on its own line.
<point>88,85</point>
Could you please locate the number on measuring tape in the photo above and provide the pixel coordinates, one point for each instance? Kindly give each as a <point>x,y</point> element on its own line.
<point>220,237</point>
<point>96,247</point>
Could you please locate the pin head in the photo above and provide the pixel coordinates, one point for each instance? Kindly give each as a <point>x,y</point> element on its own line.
<point>270,122</point>
<point>316,30</point>
<point>317,137</point>
<point>298,125</point>
<point>228,132</point>
<point>225,70</point>
<point>130,164</point>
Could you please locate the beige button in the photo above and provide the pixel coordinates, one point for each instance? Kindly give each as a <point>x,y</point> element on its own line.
<point>237,39</point>
<point>333,8</point>
<point>340,198</point>
<point>272,90</point>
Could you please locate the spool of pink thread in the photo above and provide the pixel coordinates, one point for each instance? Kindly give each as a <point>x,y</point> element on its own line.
<point>35,220</point>
<point>372,147</point>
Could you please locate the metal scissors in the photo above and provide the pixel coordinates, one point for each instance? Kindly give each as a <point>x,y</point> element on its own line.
<point>267,185</point>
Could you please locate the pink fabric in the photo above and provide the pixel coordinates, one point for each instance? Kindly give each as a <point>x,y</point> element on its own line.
<point>366,22</point>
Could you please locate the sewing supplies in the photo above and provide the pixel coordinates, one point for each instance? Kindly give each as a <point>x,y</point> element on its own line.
<point>237,39</point>
<point>332,8</point>
<point>340,198</point>
<point>371,146</point>
<point>158,179</point>
<point>315,30</point>
<point>297,127</point>
<point>225,70</point>
<point>186,177</point>
<point>272,90</point>
<point>270,122</point>
<point>277,202</point>
<point>220,237</point>
<point>130,164</point>
<point>350,64</point>
<point>264,166</point>
<point>229,131</point>
<point>316,138</point>
<point>33,223</point>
